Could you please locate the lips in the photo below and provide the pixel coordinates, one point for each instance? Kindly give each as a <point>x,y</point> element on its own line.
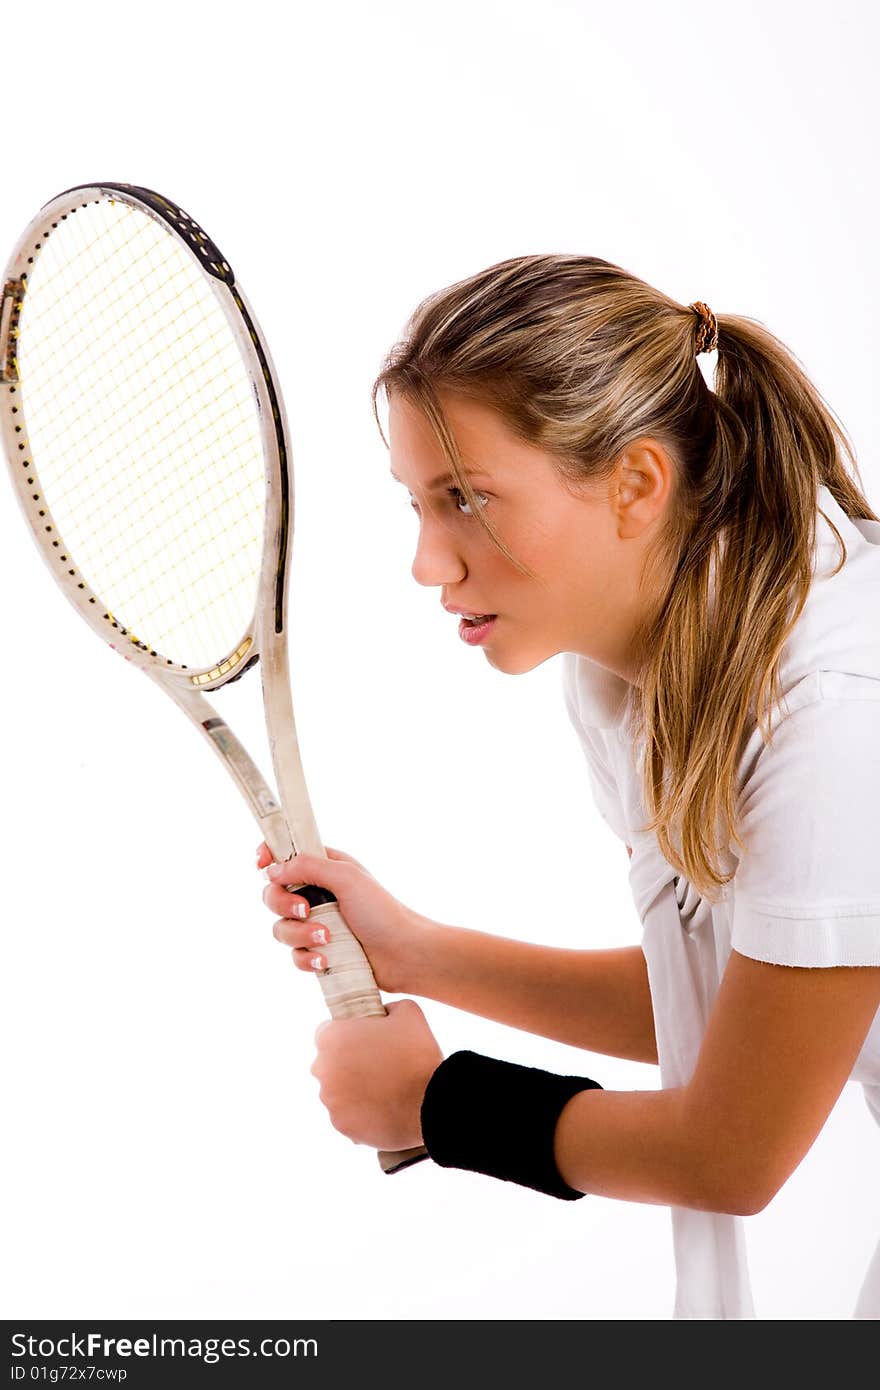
<point>469,612</point>
<point>475,632</point>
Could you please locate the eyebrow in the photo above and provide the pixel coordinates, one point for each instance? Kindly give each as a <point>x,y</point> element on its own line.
<point>443,478</point>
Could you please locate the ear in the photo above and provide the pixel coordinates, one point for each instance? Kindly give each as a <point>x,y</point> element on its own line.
<point>645,479</point>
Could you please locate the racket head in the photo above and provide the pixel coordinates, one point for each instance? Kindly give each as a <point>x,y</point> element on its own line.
<point>146,434</point>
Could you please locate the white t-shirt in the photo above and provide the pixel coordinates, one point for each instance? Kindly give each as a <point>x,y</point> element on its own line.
<point>806,889</point>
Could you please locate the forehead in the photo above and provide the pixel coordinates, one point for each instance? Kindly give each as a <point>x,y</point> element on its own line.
<point>485,443</point>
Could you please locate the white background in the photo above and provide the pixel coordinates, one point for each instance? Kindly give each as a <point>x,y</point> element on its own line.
<point>166,1153</point>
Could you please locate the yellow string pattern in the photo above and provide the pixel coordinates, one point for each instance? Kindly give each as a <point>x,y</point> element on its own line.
<point>144,430</point>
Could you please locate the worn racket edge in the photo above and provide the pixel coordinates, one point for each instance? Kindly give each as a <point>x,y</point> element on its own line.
<point>148,444</point>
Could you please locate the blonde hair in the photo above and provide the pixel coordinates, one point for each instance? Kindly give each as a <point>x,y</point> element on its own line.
<point>581,358</point>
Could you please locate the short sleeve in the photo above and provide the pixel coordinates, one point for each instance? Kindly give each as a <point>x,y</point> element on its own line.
<point>807,886</point>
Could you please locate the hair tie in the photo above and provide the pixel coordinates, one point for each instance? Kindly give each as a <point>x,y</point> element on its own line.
<point>707,333</point>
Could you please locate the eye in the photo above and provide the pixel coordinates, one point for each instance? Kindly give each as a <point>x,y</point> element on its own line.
<point>460,501</point>
<point>457,493</point>
<point>459,498</point>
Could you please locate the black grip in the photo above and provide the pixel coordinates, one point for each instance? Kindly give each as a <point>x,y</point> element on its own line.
<point>314,895</point>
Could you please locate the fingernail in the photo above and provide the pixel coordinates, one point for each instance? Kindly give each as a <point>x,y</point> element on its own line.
<point>319,937</point>
<point>301,909</point>
<point>317,962</point>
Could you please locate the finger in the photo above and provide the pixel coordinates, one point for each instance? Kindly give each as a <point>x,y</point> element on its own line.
<point>308,960</point>
<point>283,903</point>
<point>404,1007</point>
<point>303,934</point>
<point>264,855</point>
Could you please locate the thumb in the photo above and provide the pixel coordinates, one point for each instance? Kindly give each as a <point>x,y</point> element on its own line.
<point>309,868</point>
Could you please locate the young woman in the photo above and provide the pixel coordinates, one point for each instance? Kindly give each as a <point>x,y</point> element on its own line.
<point>710,573</point>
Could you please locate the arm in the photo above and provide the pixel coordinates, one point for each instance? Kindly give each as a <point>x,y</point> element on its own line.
<point>780,1044</point>
<point>595,1000</point>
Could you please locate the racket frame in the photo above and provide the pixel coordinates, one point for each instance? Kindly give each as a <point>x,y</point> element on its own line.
<point>286,819</point>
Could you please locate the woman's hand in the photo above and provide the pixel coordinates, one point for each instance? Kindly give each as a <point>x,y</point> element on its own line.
<point>373,1073</point>
<point>393,936</point>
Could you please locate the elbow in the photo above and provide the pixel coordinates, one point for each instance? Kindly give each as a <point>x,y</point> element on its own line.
<point>745,1203</point>
<point>732,1179</point>
<point>731,1168</point>
<point>745,1193</point>
<point>757,1197</point>
<point>727,1199</point>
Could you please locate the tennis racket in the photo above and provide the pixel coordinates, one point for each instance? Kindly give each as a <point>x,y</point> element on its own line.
<point>148,445</point>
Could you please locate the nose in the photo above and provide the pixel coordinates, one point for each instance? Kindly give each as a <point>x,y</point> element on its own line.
<point>437,559</point>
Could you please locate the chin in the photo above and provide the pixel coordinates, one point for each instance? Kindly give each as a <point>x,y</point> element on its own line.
<point>516,663</point>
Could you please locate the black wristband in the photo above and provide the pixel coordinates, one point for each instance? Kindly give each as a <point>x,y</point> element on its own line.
<point>498,1118</point>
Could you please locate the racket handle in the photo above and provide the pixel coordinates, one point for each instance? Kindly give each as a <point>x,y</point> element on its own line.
<point>392,1163</point>
<point>350,989</point>
<point>348,982</point>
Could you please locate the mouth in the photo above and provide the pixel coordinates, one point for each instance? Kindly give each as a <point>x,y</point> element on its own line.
<point>474,628</point>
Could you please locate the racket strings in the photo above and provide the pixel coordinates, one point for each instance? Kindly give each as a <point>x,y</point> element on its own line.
<point>182,434</point>
<point>124,409</point>
<point>112,403</point>
<point>145,430</point>
<point>66,350</point>
<point>62,288</point>
<point>152,510</point>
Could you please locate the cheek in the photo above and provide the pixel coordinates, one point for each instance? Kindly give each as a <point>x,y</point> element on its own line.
<point>546,547</point>
<point>568,557</point>
<point>579,570</point>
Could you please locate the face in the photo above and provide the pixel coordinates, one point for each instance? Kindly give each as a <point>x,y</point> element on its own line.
<point>587,547</point>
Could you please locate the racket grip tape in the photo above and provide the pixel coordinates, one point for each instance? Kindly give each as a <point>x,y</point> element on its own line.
<point>350,988</point>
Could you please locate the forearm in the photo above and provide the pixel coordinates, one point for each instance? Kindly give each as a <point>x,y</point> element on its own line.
<point>595,1000</point>
<point>643,1146</point>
